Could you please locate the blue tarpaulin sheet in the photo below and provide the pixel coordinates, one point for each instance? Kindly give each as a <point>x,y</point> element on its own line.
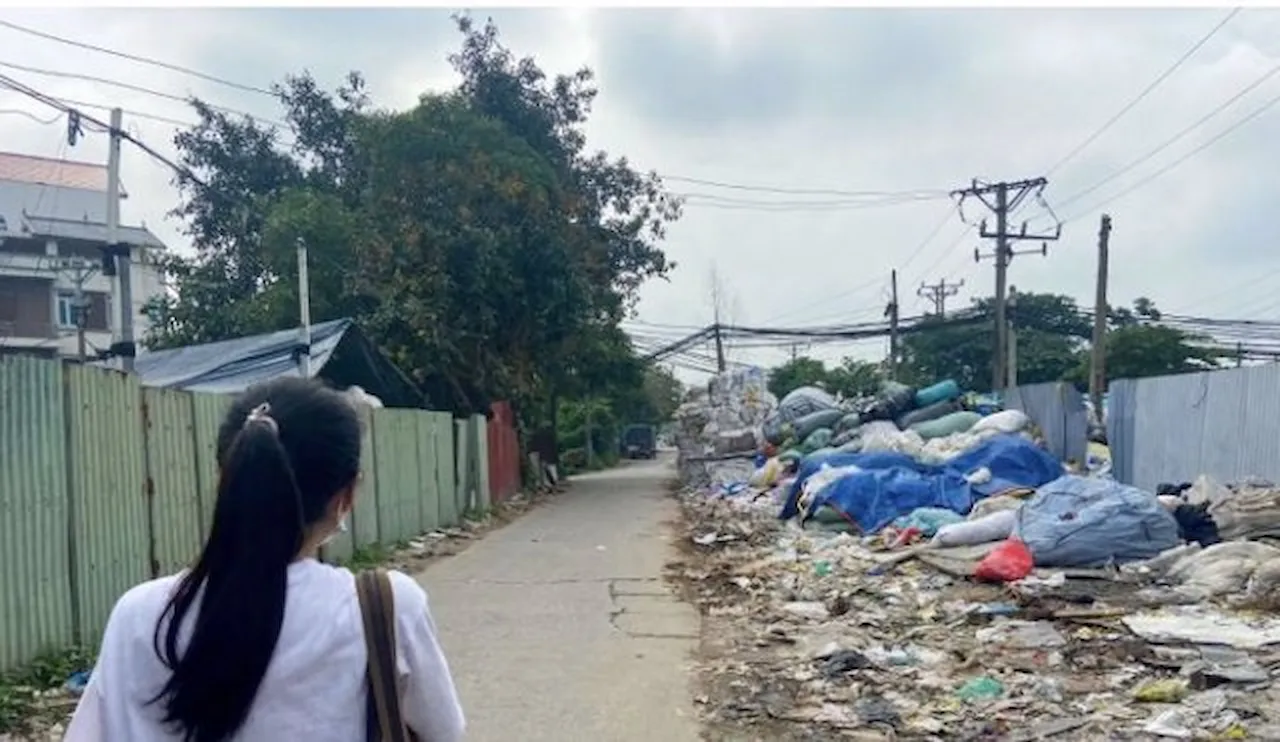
<point>891,485</point>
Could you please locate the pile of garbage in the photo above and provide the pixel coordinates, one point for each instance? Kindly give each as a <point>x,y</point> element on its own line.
<point>884,582</point>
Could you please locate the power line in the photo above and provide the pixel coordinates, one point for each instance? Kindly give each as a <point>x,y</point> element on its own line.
<point>1173,139</point>
<point>30,115</point>
<point>1209,143</point>
<point>134,88</point>
<point>925,192</point>
<point>36,95</point>
<point>139,59</point>
<point>703,200</point>
<point>1145,92</point>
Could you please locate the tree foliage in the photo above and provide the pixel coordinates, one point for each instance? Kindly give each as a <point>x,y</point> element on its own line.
<point>1052,344</point>
<point>851,378</point>
<point>474,236</point>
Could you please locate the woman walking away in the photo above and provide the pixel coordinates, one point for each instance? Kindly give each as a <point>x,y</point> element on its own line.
<point>260,641</point>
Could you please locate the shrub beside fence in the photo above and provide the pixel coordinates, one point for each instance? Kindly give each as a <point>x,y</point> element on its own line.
<point>105,483</point>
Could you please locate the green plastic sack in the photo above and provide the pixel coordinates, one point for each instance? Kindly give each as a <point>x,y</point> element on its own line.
<point>815,421</point>
<point>790,456</point>
<point>848,422</point>
<point>820,438</point>
<point>956,422</point>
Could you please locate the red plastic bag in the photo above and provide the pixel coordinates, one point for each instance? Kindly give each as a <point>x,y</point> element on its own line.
<point>1009,562</point>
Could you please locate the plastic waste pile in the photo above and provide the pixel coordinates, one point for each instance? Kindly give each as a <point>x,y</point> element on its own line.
<point>925,570</point>
<point>719,422</point>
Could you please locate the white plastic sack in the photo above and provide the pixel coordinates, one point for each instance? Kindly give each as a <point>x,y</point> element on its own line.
<point>994,527</point>
<point>1007,421</point>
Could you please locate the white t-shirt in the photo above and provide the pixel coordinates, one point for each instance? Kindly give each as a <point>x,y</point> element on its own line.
<point>314,688</point>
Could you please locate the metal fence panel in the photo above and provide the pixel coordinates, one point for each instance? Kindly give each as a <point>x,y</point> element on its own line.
<point>446,468</point>
<point>483,484</point>
<point>35,572</point>
<point>207,411</point>
<point>173,484</point>
<point>429,478</point>
<point>1223,412</point>
<point>1058,409</point>
<point>396,461</point>
<point>110,539</point>
<point>364,517</point>
<point>1121,427</point>
<point>1256,438</point>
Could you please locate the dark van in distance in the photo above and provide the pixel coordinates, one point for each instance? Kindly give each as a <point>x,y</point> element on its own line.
<point>640,442</point>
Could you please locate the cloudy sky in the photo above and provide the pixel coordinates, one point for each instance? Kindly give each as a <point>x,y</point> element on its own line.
<point>825,102</point>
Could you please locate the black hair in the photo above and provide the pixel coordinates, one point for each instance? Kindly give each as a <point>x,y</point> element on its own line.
<point>285,449</point>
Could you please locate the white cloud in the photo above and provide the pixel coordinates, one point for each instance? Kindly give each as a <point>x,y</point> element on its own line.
<point>849,99</point>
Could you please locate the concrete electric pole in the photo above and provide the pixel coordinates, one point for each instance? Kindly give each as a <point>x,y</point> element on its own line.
<point>120,257</point>
<point>937,293</point>
<point>1098,367</point>
<point>1002,199</point>
<point>304,311</point>
<point>891,311</point>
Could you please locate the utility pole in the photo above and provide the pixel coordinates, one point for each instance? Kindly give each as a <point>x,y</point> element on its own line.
<point>1098,367</point>
<point>304,308</point>
<point>938,293</point>
<point>891,312</point>
<point>78,271</point>
<point>120,256</point>
<point>1002,199</point>
<point>720,362</point>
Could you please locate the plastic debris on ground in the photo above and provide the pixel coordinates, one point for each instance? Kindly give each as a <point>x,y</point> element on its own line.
<point>857,615</point>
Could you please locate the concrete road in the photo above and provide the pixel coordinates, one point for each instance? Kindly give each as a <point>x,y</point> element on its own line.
<point>560,627</point>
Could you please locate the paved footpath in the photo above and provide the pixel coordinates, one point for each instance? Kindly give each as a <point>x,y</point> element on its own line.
<point>560,627</point>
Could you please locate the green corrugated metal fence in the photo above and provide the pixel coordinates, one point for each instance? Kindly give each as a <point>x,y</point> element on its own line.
<point>104,484</point>
<point>35,569</point>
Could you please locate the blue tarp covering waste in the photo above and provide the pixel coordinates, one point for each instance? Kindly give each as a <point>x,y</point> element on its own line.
<point>891,485</point>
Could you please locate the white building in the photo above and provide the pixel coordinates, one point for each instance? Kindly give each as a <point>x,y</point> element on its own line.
<point>53,228</point>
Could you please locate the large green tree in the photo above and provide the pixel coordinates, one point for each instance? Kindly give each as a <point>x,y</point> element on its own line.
<point>475,236</point>
<point>1050,329</point>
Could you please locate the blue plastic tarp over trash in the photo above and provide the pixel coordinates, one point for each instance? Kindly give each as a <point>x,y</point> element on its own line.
<point>1084,522</point>
<point>874,498</point>
<point>891,485</point>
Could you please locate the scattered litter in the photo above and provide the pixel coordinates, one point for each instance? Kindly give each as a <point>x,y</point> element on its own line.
<point>925,584</point>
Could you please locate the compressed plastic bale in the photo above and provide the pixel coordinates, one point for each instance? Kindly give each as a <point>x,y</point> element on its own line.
<point>818,439</point>
<point>943,391</point>
<point>956,422</point>
<point>896,399</point>
<point>849,422</point>
<point>805,426</point>
<point>853,446</point>
<point>925,414</point>
<point>1007,421</point>
<point>801,402</point>
<point>1085,522</point>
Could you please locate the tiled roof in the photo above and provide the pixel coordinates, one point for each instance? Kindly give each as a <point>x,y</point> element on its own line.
<point>45,171</point>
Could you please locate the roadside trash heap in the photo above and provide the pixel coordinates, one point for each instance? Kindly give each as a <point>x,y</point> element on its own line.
<point>883,582</point>
<point>717,429</point>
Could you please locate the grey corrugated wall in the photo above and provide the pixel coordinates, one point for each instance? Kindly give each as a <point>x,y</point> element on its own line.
<point>1058,409</point>
<point>1174,428</point>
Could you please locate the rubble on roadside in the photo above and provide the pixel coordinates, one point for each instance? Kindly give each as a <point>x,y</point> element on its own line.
<point>1138,615</point>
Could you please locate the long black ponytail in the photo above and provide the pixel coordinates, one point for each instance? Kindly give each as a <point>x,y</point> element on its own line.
<point>285,450</point>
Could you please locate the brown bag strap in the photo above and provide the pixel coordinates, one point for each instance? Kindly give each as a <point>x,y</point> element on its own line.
<point>377,607</point>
